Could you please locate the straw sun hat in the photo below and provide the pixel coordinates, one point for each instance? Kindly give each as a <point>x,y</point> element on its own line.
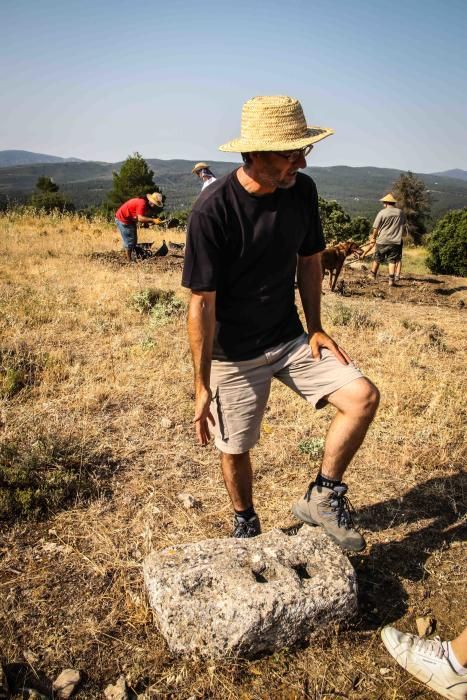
<point>389,199</point>
<point>155,198</point>
<point>274,123</point>
<point>199,166</point>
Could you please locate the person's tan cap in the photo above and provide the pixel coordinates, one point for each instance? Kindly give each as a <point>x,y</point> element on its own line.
<point>199,166</point>
<point>389,199</point>
<point>274,123</point>
<point>155,198</point>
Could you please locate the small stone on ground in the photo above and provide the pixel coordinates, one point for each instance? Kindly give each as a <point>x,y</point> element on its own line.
<point>119,691</point>
<point>66,682</point>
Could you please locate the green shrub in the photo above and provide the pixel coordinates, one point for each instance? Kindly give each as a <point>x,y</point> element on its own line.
<point>342,315</point>
<point>313,447</point>
<point>41,476</point>
<point>411,325</point>
<point>165,309</point>
<point>435,338</point>
<point>19,368</point>
<point>160,304</point>
<point>144,300</point>
<point>447,245</point>
<point>181,214</point>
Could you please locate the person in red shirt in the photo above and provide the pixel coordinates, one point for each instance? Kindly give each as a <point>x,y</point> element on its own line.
<point>134,211</point>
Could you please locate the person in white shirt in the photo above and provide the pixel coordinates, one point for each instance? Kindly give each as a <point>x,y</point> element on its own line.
<point>203,171</point>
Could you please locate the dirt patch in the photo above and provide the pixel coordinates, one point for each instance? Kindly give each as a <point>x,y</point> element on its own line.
<point>431,290</point>
<point>171,261</point>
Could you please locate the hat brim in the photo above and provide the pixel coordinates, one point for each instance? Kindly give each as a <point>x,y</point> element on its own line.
<point>198,167</point>
<point>315,134</point>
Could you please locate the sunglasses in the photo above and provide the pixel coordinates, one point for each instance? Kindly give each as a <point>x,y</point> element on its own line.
<point>293,156</point>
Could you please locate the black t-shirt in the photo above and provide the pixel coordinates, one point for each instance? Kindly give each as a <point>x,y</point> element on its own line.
<point>245,248</point>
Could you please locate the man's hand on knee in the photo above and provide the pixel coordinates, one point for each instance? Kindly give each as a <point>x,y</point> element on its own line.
<point>320,339</point>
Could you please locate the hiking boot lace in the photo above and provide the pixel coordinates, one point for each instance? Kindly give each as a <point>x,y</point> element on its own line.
<point>343,508</point>
<point>340,505</point>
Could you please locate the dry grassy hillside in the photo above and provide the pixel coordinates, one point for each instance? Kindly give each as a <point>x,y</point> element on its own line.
<point>91,362</point>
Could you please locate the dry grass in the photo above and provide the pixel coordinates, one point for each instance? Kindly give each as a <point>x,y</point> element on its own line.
<point>71,585</point>
<point>415,260</point>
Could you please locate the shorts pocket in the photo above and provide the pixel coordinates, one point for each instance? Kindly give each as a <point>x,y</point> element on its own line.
<point>220,415</point>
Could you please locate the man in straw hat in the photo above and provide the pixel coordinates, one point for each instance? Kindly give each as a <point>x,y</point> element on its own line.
<point>248,235</point>
<point>204,172</point>
<point>133,211</point>
<point>388,227</point>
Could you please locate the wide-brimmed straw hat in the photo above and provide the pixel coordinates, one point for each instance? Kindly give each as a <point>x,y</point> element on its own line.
<point>199,166</point>
<point>274,123</point>
<point>389,198</point>
<point>155,198</point>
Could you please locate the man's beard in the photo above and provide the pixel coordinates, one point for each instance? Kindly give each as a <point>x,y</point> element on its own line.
<point>271,177</point>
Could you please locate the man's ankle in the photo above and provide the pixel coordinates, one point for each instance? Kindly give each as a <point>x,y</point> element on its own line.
<point>246,514</point>
<point>326,481</point>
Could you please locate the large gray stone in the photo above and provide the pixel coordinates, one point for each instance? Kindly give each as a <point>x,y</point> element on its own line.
<point>248,596</point>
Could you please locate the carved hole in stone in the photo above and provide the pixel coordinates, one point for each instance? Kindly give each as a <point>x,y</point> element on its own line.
<point>301,571</point>
<point>259,577</point>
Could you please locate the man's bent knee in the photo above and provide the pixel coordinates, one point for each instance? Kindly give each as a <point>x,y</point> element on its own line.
<point>359,398</point>
<point>369,398</point>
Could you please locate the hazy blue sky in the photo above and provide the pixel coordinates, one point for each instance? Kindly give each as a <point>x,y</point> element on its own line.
<point>101,79</point>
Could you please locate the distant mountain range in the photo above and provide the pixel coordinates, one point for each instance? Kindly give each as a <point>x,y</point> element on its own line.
<point>11,158</point>
<point>456,173</point>
<point>86,183</point>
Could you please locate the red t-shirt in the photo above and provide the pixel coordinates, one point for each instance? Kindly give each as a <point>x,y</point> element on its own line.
<point>129,211</point>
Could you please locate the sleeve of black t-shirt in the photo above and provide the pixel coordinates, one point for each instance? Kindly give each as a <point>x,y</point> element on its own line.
<point>314,239</point>
<point>204,248</point>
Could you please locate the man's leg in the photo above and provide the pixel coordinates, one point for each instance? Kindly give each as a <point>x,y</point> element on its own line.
<point>392,268</point>
<point>398,270</point>
<point>356,405</point>
<point>240,393</point>
<point>374,269</point>
<point>459,646</point>
<point>325,503</point>
<point>238,479</point>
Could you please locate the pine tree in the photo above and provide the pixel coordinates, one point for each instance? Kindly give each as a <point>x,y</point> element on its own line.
<point>134,179</point>
<point>48,198</point>
<point>339,226</point>
<point>46,184</point>
<point>415,201</point>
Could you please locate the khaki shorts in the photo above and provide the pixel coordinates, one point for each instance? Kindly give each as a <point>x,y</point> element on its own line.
<point>240,390</point>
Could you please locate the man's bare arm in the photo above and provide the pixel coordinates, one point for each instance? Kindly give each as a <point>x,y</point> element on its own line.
<point>309,277</point>
<point>148,219</point>
<point>201,325</point>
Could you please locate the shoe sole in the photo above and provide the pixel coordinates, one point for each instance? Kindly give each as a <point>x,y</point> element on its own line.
<point>310,521</point>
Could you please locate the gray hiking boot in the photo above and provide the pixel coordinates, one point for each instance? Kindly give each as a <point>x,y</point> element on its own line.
<point>246,528</point>
<point>331,509</point>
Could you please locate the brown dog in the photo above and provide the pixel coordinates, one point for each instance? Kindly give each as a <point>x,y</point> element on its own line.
<point>333,258</point>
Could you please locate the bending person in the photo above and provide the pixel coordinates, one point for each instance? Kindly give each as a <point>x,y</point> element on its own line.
<point>134,211</point>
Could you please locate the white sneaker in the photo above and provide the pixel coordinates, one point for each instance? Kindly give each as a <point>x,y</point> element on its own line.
<point>427,661</point>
